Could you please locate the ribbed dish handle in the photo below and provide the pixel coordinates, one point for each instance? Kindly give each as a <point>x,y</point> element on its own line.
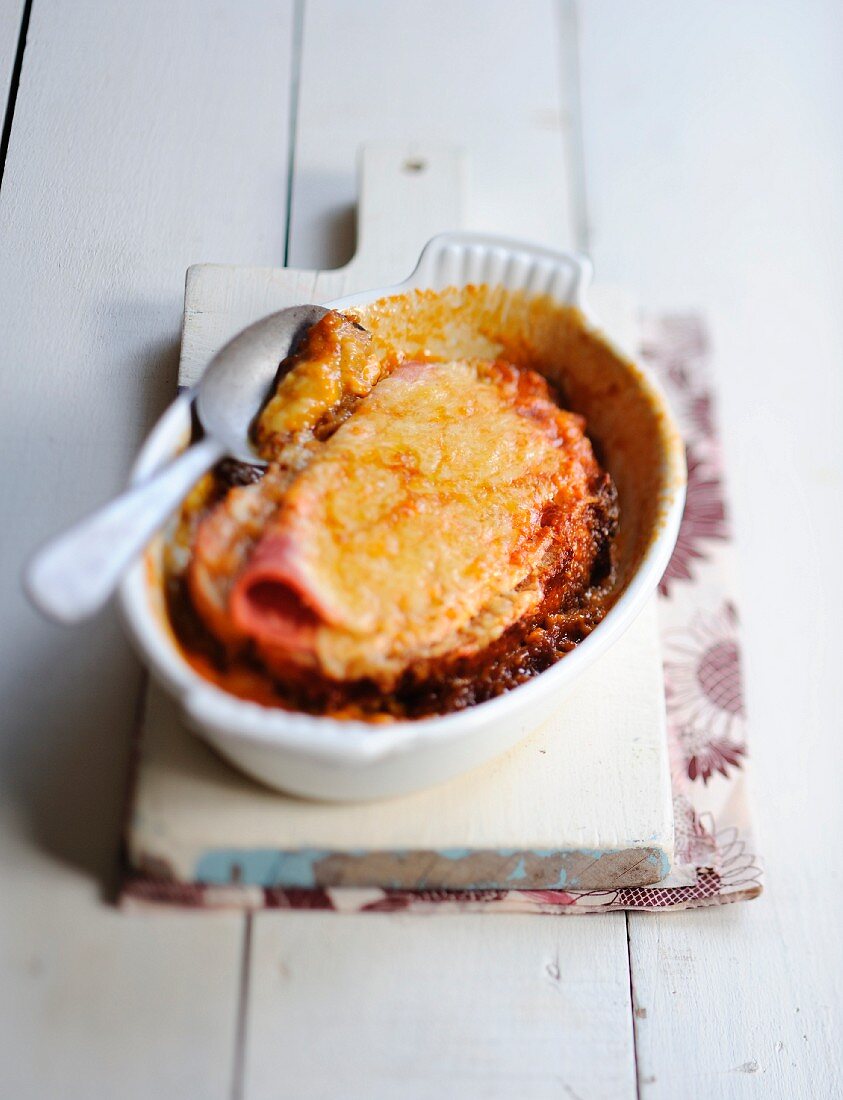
<point>455,259</point>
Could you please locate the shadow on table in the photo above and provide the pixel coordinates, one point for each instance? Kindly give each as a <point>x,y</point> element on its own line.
<point>324,222</point>
<point>66,754</point>
<point>69,694</point>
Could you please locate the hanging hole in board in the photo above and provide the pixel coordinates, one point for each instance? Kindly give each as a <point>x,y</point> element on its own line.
<point>415,164</point>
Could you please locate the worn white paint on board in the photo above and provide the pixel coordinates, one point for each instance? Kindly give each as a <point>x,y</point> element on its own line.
<point>135,150</point>
<point>714,165</point>
<point>481,1008</point>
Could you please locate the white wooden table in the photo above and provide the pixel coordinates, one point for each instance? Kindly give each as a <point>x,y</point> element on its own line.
<point>695,148</point>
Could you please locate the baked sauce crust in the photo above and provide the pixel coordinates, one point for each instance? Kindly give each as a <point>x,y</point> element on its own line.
<point>527,547</point>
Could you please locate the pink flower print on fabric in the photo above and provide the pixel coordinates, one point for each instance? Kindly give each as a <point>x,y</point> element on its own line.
<point>705,705</point>
<point>704,518</point>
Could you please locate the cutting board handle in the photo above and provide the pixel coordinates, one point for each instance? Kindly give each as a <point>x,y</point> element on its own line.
<point>408,194</point>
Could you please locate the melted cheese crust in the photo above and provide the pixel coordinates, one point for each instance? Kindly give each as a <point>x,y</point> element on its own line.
<point>420,526</point>
<point>338,360</point>
<point>425,535</point>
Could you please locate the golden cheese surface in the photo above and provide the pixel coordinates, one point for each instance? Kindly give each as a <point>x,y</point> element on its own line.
<point>419,524</point>
<point>431,528</point>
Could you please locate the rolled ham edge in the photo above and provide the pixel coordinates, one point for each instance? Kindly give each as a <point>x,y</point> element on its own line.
<point>272,601</point>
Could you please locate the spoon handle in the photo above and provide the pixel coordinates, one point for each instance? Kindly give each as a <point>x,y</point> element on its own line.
<point>73,575</point>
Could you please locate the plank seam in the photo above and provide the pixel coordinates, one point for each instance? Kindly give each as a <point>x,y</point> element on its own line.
<point>13,88</point>
<point>632,1010</point>
<point>295,83</point>
<point>238,1069</point>
<point>569,43</point>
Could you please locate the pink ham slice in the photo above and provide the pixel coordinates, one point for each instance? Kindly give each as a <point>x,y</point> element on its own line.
<point>271,602</point>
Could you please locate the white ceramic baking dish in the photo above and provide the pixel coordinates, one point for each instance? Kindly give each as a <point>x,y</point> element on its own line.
<point>345,760</point>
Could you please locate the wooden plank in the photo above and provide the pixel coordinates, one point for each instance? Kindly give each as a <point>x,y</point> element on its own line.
<point>11,15</point>
<point>146,137</point>
<point>714,1017</point>
<point>411,1004</point>
<point>95,1003</point>
<point>715,180</point>
<point>374,1006</point>
<point>485,76</point>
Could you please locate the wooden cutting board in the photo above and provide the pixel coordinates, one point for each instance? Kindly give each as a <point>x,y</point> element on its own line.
<point>582,803</point>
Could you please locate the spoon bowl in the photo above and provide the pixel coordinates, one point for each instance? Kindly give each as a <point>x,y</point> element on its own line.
<point>239,377</point>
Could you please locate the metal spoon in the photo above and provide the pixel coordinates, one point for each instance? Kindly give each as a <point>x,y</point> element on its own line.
<point>73,575</point>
